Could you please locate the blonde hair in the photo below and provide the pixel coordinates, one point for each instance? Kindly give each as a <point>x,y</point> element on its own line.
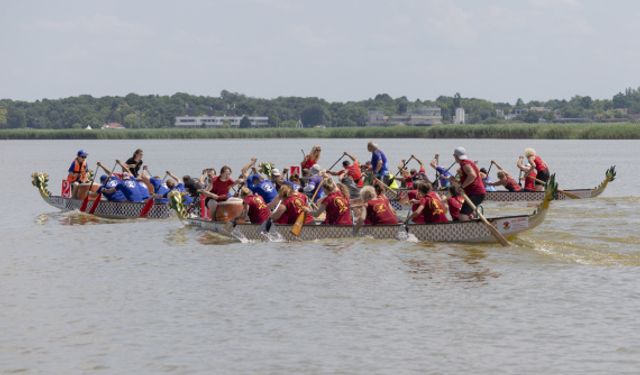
<point>285,191</point>
<point>329,185</point>
<point>528,152</point>
<point>501,174</point>
<point>367,193</point>
<point>245,192</point>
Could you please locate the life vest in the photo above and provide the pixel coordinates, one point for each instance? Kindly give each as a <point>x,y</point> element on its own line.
<point>354,172</point>
<point>338,212</point>
<point>78,168</point>
<point>477,186</point>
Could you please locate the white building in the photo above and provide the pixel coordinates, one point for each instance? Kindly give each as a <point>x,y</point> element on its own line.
<point>423,116</point>
<point>460,117</point>
<point>219,121</point>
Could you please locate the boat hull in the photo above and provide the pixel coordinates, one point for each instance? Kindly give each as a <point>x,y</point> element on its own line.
<point>472,231</point>
<point>112,210</point>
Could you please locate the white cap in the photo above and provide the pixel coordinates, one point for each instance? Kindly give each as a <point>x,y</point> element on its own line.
<point>460,152</point>
<point>276,172</point>
<point>315,169</point>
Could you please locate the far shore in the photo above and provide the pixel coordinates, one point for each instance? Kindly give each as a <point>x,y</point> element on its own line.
<point>499,131</point>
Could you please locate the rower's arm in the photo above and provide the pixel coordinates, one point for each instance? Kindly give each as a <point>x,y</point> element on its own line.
<point>105,169</point>
<point>318,211</point>
<point>415,213</point>
<point>522,167</point>
<point>246,167</point>
<point>173,176</point>
<point>435,161</point>
<point>471,176</point>
<point>124,167</point>
<point>278,213</point>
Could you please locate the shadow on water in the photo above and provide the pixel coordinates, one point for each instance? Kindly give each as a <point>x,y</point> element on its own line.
<point>74,218</point>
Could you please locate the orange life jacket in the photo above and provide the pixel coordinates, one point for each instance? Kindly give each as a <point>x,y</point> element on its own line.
<point>78,168</point>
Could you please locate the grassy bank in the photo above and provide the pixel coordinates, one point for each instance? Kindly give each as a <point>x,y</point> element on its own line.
<point>505,131</point>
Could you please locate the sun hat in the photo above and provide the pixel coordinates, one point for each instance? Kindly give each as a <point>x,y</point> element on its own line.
<point>315,169</point>
<point>276,172</point>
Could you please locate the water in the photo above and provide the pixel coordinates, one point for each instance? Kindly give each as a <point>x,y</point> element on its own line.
<point>86,295</point>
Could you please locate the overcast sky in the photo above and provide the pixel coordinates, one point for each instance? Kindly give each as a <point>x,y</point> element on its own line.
<point>338,50</point>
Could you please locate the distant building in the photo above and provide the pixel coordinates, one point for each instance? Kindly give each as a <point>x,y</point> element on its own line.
<point>539,109</point>
<point>219,121</point>
<point>113,125</point>
<point>460,117</point>
<point>499,113</point>
<point>423,116</point>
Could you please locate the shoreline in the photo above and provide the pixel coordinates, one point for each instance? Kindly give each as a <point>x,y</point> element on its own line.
<point>497,131</point>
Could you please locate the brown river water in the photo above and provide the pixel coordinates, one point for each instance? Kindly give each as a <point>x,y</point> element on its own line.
<point>80,295</point>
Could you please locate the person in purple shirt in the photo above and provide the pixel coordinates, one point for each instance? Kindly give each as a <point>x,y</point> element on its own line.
<point>378,162</point>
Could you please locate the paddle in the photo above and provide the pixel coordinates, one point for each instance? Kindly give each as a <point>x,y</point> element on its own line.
<point>144,212</point>
<point>98,197</point>
<point>266,227</point>
<point>494,231</point>
<point>299,223</point>
<point>403,165</point>
<point>85,201</point>
<point>337,161</point>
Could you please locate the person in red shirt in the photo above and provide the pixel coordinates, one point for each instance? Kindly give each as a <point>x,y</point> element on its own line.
<point>292,206</point>
<point>311,158</point>
<point>455,202</point>
<point>529,174</point>
<point>541,168</point>
<point>335,204</point>
<point>218,190</point>
<point>430,208</point>
<point>470,182</point>
<point>255,207</point>
<point>505,179</point>
<point>378,210</point>
<point>351,170</point>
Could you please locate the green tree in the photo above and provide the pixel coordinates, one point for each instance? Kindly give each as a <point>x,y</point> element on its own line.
<point>16,118</point>
<point>245,123</point>
<point>313,115</point>
<point>3,117</point>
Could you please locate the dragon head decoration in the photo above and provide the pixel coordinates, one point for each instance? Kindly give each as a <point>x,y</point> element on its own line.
<point>550,191</point>
<point>611,173</point>
<point>177,204</point>
<point>41,181</point>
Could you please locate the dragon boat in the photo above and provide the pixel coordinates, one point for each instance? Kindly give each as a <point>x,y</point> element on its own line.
<point>103,208</point>
<point>470,231</point>
<point>399,198</point>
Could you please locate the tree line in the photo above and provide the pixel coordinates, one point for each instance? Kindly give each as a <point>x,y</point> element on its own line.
<point>159,111</point>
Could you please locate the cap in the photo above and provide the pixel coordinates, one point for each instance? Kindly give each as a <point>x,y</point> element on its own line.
<point>103,178</point>
<point>315,169</point>
<point>276,172</point>
<point>460,152</point>
<point>82,153</point>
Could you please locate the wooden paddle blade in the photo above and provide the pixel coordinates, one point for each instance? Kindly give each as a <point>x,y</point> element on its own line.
<point>494,231</point>
<point>95,204</point>
<point>85,202</point>
<point>144,212</point>
<point>297,226</point>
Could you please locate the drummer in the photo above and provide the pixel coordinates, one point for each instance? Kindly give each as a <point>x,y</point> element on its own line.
<point>218,191</point>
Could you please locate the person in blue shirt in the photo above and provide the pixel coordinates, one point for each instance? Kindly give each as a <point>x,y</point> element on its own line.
<point>129,187</point>
<point>108,189</point>
<point>443,174</point>
<point>314,182</point>
<point>263,187</point>
<point>378,163</point>
<point>487,180</point>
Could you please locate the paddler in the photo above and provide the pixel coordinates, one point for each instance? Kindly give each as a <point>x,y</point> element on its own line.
<point>254,206</point>
<point>108,189</point>
<point>429,208</point>
<point>78,171</point>
<point>311,158</point>
<point>470,182</point>
<point>291,207</point>
<point>443,175</point>
<point>128,185</point>
<point>541,168</point>
<point>505,179</point>
<point>350,169</point>
<point>378,210</point>
<point>313,178</point>
<point>529,174</point>
<point>335,204</point>
<point>455,202</point>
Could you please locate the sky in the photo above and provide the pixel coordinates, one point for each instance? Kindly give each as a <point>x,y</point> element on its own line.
<point>342,50</point>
